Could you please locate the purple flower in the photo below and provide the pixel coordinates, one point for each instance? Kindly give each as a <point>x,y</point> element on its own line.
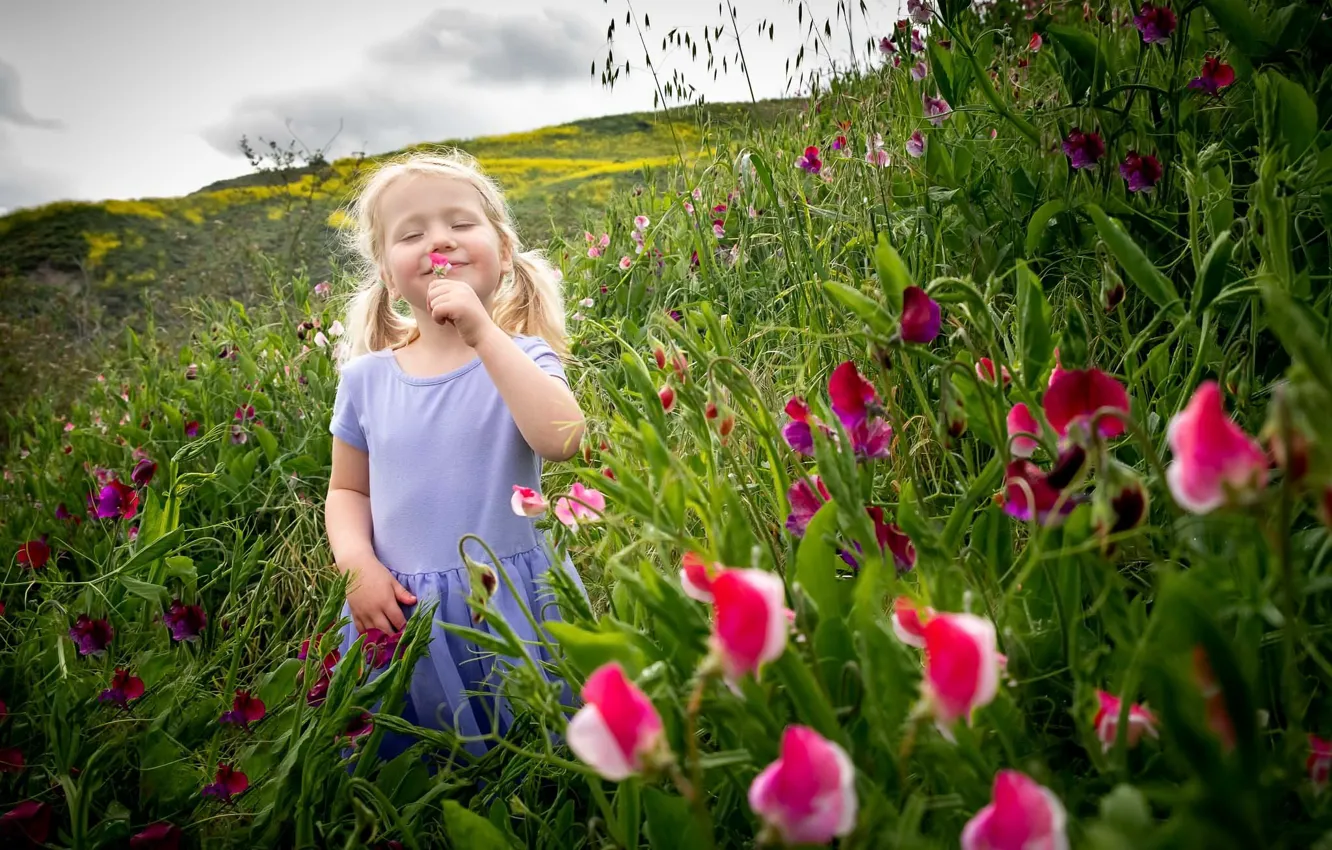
<point>92,637</point>
<point>797,432</point>
<point>114,501</point>
<point>1214,76</point>
<point>920,71</point>
<point>358,726</point>
<point>245,710</point>
<point>810,161</point>
<point>936,109</point>
<point>1156,23</point>
<point>1084,150</point>
<point>805,502</point>
<point>891,538</point>
<point>920,316</point>
<point>917,43</point>
<point>919,11</point>
<point>886,46</point>
<point>192,428</point>
<point>227,784</point>
<point>379,647</point>
<point>143,472</point>
<point>915,145</point>
<point>185,621</point>
<point>124,688</point>
<point>854,400</point>
<point>1141,172</point>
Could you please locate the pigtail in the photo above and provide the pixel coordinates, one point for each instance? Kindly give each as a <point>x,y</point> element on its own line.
<point>533,303</point>
<point>372,323</point>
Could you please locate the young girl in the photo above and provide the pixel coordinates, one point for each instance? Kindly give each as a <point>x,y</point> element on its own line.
<point>437,417</point>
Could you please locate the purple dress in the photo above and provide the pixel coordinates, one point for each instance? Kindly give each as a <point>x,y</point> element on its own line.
<point>444,456</point>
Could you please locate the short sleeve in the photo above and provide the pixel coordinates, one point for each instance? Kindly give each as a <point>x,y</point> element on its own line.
<point>346,422</point>
<point>540,351</point>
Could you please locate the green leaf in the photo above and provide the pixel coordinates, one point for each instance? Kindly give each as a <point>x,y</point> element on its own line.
<point>589,650</point>
<point>466,828</point>
<point>1301,331</point>
<point>765,176</point>
<point>1291,115</point>
<point>1238,23</point>
<point>1034,342</point>
<point>941,66</point>
<point>279,684</point>
<point>893,275</point>
<point>866,309</point>
<point>145,556</point>
<point>811,703</point>
<point>1039,225</point>
<point>1212,276</point>
<point>816,562</point>
<point>670,822</point>
<point>1140,269</point>
<point>144,589</point>
<point>1083,64</point>
<point>267,442</point>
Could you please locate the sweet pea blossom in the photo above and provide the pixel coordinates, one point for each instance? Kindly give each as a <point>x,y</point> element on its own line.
<point>1023,816</point>
<point>915,146</point>
<point>961,666</point>
<point>805,496</point>
<point>1156,23</point>
<point>1141,172</point>
<point>809,160</point>
<point>936,109</point>
<point>907,623</point>
<point>1319,763</point>
<point>890,538</point>
<point>750,624</point>
<point>1214,76</point>
<point>245,710</point>
<point>527,502</point>
<point>33,555</point>
<point>920,71</point>
<point>380,645</point>
<point>186,622</point>
<point>92,637</point>
<point>228,783</point>
<point>159,836</point>
<point>582,504</point>
<point>1141,721</point>
<point>114,501</point>
<point>1083,149</point>
<point>854,399</point>
<point>1038,498</point>
<point>808,795</point>
<point>124,688</point>
<point>617,730</point>
<point>874,152</point>
<point>1034,45</point>
<point>1213,458</point>
<point>921,319</point>
<point>1076,394</point>
<point>697,576</point>
<point>919,11</point>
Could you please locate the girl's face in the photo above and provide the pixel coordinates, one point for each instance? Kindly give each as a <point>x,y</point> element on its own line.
<point>427,212</point>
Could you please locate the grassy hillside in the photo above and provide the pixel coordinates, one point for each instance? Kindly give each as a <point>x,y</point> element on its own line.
<point>74,274</point>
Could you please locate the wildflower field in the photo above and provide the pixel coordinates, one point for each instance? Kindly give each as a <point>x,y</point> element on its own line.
<point>957,474</point>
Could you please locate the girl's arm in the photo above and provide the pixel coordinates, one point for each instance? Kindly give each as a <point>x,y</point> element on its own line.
<point>544,409</point>
<point>347,509</point>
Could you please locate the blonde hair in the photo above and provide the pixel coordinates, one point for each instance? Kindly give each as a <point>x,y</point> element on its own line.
<point>530,302</point>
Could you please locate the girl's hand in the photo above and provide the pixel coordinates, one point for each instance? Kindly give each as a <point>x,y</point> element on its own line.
<point>376,599</point>
<point>455,301</point>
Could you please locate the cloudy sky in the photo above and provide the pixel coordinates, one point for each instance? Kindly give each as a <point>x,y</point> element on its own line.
<point>145,98</point>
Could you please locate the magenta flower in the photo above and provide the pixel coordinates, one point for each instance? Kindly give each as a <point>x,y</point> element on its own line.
<point>962,664</point>
<point>319,691</point>
<point>936,109</point>
<point>1156,23</point>
<point>379,647</point>
<point>192,428</point>
<point>228,783</point>
<point>808,795</point>
<point>527,502</point>
<point>29,820</point>
<point>1023,815</point>
<point>919,11</point>
<point>114,501</point>
<point>886,46</point>
<point>618,731</point>
<point>185,621</point>
<point>1020,422</point>
<point>143,472</point>
<point>920,71</point>
<point>1076,394</point>
<point>1106,721</point>
<point>92,637</point>
<point>915,145</point>
<point>1214,76</point>
<point>1043,495</point>
<point>810,161</point>
<point>839,143</point>
<point>797,433</point>
<point>358,726</point>
<point>890,537</point>
<point>124,688</point>
<point>917,43</point>
<point>806,496</point>
<point>245,710</point>
<point>749,624</point>
<point>1319,763</point>
<point>1036,42</point>
<point>920,316</point>
<point>159,836</point>
<point>1214,460</point>
<point>62,512</point>
<point>244,413</point>
<point>34,554</point>
<point>908,626</point>
<point>854,400</point>
<point>1141,172</point>
<point>697,575</point>
<point>1084,150</point>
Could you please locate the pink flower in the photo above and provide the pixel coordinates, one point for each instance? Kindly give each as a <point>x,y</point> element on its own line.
<point>186,622</point>
<point>907,624</point>
<point>810,161</point>
<point>936,109</point>
<point>617,729</point>
<point>719,228</point>
<point>1319,763</point>
<point>797,433</point>
<point>915,145</point>
<point>874,152</point>
<point>114,501</point>
<point>1213,458</point>
<point>839,143</point>
<point>245,710</point>
<point>920,316</point>
<point>1156,23</point>
<point>1021,421</point>
<point>917,43</point>
<point>961,666</point>
<point>1141,172</point>
<point>1023,816</point>
<point>641,222</point>
<point>808,795</point>
<point>582,503</point>
<point>1076,394</point>
<point>159,836</point>
<point>527,502</point>
<point>1083,150</point>
<point>750,625</point>
<point>1214,76</point>
<point>853,400</point>
<point>697,576</point>
<point>380,645</point>
<point>666,395</point>
<point>886,46</point>
<point>985,371</point>
<point>806,498</point>
<point>244,413</point>
<point>919,71</point>
<point>593,252</point>
<point>92,637</point>
<point>1035,44</point>
<point>69,426</point>
<point>1044,495</point>
<point>626,262</point>
<point>125,687</point>
<point>919,11</point>
<point>1106,721</point>
<point>321,340</point>
<point>28,820</point>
